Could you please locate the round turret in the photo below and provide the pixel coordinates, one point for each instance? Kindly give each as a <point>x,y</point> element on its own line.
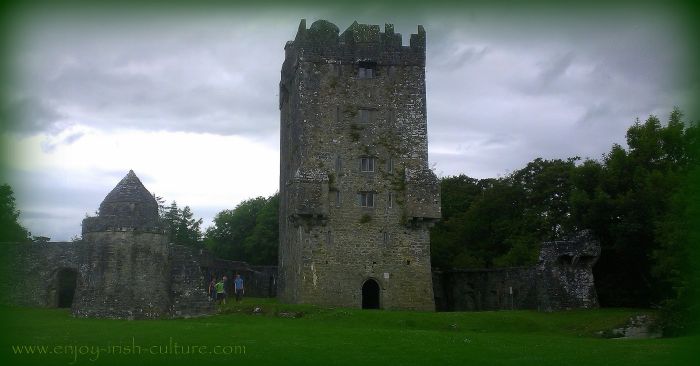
<point>128,207</point>
<point>130,199</point>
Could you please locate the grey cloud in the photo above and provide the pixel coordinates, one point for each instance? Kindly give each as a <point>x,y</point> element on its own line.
<point>457,57</point>
<point>198,82</point>
<point>30,114</point>
<point>595,114</point>
<point>554,68</point>
<point>51,144</point>
<point>31,215</point>
<point>502,89</point>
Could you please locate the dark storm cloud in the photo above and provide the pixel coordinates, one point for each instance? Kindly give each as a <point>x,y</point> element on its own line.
<point>216,78</point>
<point>554,84</point>
<point>503,88</point>
<point>36,115</point>
<point>552,87</point>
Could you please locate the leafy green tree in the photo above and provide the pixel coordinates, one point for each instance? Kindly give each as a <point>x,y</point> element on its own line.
<point>161,205</point>
<point>182,228</point>
<point>261,246</point>
<point>625,199</point>
<point>249,232</point>
<point>457,194</point>
<point>501,222</point>
<point>547,186</point>
<point>677,254</point>
<point>10,228</point>
<point>188,230</point>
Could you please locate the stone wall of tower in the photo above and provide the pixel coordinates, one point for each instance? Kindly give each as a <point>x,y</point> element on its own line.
<point>123,268</point>
<point>331,117</point>
<point>128,276</point>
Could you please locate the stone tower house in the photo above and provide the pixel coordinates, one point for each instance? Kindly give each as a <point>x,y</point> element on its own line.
<point>357,196</point>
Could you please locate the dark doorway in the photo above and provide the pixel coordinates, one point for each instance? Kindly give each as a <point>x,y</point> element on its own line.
<point>370,294</point>
<point>66,280</point>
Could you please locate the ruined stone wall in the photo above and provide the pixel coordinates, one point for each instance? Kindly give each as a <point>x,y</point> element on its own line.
<point>122,275</point>
<point>486,289</point>
<point>565,271</point>
<point>125,275</point>
<point>30,270</point>
<point>330,119</point>
<point>562,279</point>
<point>188,286</point>
<point>262,282</point>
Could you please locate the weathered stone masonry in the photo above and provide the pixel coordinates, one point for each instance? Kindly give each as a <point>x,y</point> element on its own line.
<point>357,200</point>
<point>124,267</point>
<point>357,197</point>
<point>562,279</point>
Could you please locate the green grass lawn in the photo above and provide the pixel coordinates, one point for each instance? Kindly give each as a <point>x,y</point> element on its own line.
<point>302,334</point>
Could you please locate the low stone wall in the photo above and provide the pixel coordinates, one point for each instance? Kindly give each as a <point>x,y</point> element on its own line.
<point>263,282</point>
<point>30,271</point>
<point>562,279</point>
<point>485,289</point>
<point>137,275</point>
<point>140,277</point>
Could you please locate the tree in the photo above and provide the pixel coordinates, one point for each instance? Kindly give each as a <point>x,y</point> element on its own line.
<point>182,228</point>
<point>501,222</point>
<point>636,199</point>
<point>188,230</point>
<point>161,205</point>
<point>678,233</point>
<point>249,232</point>
<point>625,199</point>
<point>261,245</point>
<point>10,228</point>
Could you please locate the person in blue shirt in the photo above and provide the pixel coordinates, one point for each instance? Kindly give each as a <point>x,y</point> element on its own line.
<point>238,287</point>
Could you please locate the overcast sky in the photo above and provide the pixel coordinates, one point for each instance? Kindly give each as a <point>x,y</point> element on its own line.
<point>189,101</point>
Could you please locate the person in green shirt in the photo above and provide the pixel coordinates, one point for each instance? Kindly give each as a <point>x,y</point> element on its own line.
<point>220,293</point>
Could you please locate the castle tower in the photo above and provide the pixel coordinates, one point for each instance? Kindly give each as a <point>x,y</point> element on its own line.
<point>129,271</point>
<point>356,195</point>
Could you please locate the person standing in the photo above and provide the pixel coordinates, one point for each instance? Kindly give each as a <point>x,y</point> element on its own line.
<point>212,288</point>
<point>238,287</point>
<point>220,293</point>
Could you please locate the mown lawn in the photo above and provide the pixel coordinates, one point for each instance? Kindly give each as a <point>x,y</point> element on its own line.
<point>299,334</point>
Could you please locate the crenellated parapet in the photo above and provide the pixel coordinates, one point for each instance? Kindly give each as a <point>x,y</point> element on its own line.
<point>322,42</point>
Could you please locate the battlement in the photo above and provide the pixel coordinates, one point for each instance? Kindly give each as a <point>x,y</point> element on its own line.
<point>323,41</point>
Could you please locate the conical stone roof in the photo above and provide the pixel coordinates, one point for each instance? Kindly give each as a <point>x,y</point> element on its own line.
<point>128,207</point>
<point>129,196</point>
